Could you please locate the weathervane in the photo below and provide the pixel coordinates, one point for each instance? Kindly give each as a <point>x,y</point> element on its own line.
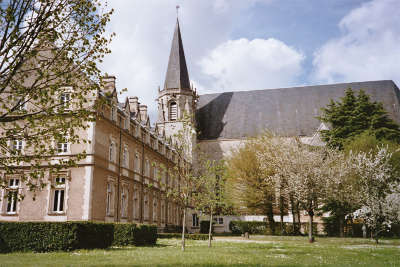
<point>177,10</point>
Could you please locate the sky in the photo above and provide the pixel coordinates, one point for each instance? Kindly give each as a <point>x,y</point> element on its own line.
<point>236,45</point>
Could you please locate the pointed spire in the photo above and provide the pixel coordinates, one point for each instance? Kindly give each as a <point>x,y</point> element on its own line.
<point>177,74</point>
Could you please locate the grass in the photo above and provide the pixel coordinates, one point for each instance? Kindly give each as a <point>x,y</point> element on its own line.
<point>226,251</point>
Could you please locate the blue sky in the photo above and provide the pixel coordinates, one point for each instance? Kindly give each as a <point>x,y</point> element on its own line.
<point>254,44</point>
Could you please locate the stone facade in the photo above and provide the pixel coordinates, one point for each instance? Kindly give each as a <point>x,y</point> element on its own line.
<point>125,156</point>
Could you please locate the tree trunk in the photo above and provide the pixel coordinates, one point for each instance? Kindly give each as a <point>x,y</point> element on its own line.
<point>183,228</point>
<point>310,230</point>
<point>298,217</point>
<point>292,209</point>
<point>210,229</point>
<point>341,226</point>
<point>270,216</point>
<point>281,211</point>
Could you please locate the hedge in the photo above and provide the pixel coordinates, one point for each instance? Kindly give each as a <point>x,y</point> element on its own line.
<point>187,236</point>
<point>205,227</point>
<point>257,228</point>
<point>53,236</point>
<point>134,234</point>
<point>263,228</point>
<point>67,236</point>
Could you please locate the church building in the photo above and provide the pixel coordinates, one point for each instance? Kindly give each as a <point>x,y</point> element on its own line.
<point>127,150</point>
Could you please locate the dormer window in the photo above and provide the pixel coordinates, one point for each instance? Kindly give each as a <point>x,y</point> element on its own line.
<point>173,111</point>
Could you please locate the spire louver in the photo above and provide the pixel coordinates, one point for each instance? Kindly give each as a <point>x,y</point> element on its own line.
<point>177,73</point>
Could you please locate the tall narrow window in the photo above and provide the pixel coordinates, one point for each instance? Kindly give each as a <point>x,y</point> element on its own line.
<point>195,220</point>
<point>173,111</point>
<point>146,206</point>
<point>111,152</point>
<point>162,211</point>
<point>59,195</point>
<point>136,204</point>
<point>16,145</point>
<point>147,168</point>
<point>12,195</point>
<point>155,211</point>
<point>137,163</point>
<point>125,158</point>
<point>65,99</point>
<point>124,202</point>
<point>62,145</point>
<point>110,199</point>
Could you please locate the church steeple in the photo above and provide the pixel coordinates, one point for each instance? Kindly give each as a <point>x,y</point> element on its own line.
<point>177,74</point>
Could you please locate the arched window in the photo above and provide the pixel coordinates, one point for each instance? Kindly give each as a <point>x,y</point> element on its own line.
<point>173,111</point>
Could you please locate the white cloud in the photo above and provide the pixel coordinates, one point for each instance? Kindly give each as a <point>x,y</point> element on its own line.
<point>247,65</point>
<point>368,48</point>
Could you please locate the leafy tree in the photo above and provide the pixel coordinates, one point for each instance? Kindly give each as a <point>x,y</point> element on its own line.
<point>49,51</point>
<point>183,192</point>
<point>378,190</point>
<point>210,197</point>
<point>355,114</point>
<point>304,171</point>
<point>247,188</point>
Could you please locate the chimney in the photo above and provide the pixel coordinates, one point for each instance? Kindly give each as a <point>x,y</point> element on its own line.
<point>109,84</point>
<point>134,104</point>
<point>143,112</point>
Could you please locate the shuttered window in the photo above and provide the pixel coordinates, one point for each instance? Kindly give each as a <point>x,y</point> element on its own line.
<point>173,111</point>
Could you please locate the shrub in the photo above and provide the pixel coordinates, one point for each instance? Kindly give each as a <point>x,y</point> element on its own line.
<point>145,235</point>
<point>133,234</point>
<point>255,228</point>
<point>205,227</point>
<point>174,229</point>
<point>53,236</point>
<point>124,234</point>
<point>187,236</point>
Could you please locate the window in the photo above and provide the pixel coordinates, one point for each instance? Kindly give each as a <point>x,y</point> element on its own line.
<point>126,122</point>
<point>218,220</point>
<point>111,152</point>
<point>12,196</point>
<point>65,99</point>
<point>124,202</point>
<point>155,212</point>
<point>110,199</point>
<point>125,158</point>
<point>163,211</point>
<point>20,104</point>
<point>62,146</point>
<point>155,172</point>
<point>59,195</point>
<point>147,168</point>
<point>136,204</point>
<point>16,145</point>
<point>146,206</point>
<point>113,113</point>
<point>173,111</point>
<point>195,220</point>
<point>137,163</point>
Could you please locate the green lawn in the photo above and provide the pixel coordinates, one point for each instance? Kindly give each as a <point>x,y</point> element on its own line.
<point>226,251</point>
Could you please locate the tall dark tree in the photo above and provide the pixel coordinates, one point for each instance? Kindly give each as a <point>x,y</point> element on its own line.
<point>355,114</point>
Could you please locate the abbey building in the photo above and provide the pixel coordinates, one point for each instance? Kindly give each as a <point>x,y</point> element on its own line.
<point>126,151</point>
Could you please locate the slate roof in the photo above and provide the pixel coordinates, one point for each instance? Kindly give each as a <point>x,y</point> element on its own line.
<point>286,111</point>
<point>177,73</point>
